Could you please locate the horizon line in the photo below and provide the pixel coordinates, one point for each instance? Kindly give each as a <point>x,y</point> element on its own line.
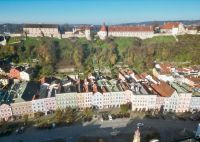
<point>21,23</point>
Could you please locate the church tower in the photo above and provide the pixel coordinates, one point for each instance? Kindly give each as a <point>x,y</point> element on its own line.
<point>87,33</point>
<point>103,32</point>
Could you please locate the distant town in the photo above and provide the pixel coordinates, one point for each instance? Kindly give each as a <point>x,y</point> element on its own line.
<point>140,31</point>
<point>166,90</point>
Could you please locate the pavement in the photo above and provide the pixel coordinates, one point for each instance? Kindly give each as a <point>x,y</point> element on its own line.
<point>103,129</point>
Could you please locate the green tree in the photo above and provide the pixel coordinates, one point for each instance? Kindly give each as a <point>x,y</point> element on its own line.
<point>25,117</point>
<point>69,115</point>
<point>87,112</point>
<point>59,115</point>
<point>124,108</point>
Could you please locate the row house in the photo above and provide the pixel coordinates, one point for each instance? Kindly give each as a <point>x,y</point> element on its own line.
<point>5,112</point>
<point>84,100</point>
<point>195,103</point>
<point>66,100</point>
<point>22,108</point>
<point>143,102</point>
<point>172,98</point>
<point>96,100</point>
<point>184,98</point>
<point>166,96</point>
<point>44,105</point>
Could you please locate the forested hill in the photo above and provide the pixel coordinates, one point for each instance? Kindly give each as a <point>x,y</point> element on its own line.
<point>83,54</point>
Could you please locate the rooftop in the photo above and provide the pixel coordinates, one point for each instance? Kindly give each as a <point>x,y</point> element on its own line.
<point>179,88</point>
<point>163,89</point>
<point>170,25</point>
<point>130,29</point>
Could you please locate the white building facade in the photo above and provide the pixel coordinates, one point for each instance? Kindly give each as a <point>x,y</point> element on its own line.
<point>195,103</point>
<point>44,105</point>
<point>143,102</point>
<point>5,111</point>
<point>183,102</point>
<point>142,32</point>
<point>39,30</point>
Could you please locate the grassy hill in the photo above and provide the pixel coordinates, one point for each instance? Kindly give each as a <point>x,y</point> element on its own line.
<point>83,54</point>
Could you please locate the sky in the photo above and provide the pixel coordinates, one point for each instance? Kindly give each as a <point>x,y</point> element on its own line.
<point>97,11</point>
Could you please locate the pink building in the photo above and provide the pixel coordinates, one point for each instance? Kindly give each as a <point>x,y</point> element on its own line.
<point>22,108</point>
<point>50,103</point>
<point>44,105</point>
<point>183,103</point>
<point>160,101</point>
<point>5,111</point>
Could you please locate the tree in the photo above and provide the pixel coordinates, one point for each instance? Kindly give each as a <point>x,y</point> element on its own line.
<point>38,114</point>
<point>124,108</point>
<point>25,117</point>
<point>58,115</point>
<point>69,115</point>
<point>87,112</point>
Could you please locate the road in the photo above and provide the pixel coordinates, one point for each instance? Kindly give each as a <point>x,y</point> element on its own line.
<point>101,129</point>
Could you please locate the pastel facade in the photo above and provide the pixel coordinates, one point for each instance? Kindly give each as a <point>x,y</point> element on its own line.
<point>143,102</point>
<point>22,108</point>
<point>44,105</point>
<point>160,101</point>
<point>171,102</point>
<point>183,102</point>
<point>84,100</point>
<point>195,103</point>
<point>66,100</point>
<point>97,100</point>
<point>5,111</point>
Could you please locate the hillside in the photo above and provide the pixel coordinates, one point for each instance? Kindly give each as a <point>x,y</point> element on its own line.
<point>84,55</point>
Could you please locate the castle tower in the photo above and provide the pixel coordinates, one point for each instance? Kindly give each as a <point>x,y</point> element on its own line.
<point>103,32</point>
<point>137,136</point>
<point>87,33</point>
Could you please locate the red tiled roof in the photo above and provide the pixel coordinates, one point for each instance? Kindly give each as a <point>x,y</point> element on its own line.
<point>170,25</point>
<point>163,89</point>
<point>103,28</point>
<point>165,68</point>
<point>130,29</point>
<point>137,77</point>
<point>182,70</point>
<point>196,80</point>
<point>143,75</point>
